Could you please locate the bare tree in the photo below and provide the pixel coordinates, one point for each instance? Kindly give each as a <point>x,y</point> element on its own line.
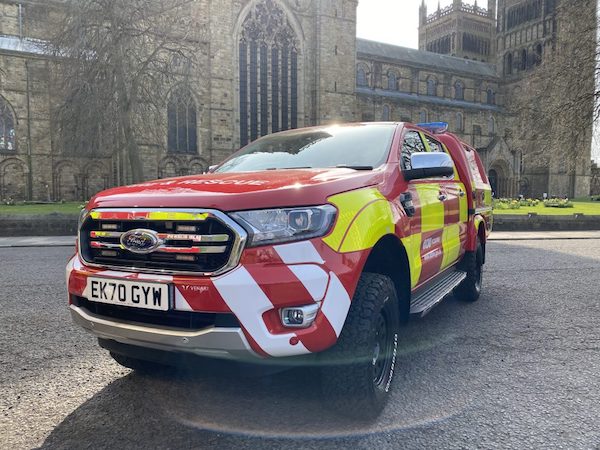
<point>557,100</point>
<point>117,59</point>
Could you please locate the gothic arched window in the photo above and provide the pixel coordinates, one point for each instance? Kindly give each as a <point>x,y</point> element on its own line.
<point>524,59</point>
<point>491,126</point>
<point>490,97</point>
<point>432,87</point>
<point>459,90</point>
<point>508,67</point>
<point>538,54</point>
<point>392,81</point>
<point>361,77</point>
<point>423,117</point>
<point>460,122</point>
<point>269,65</point>
<point>182,122</point>
<point>7,127</point>
<point>385,116</point>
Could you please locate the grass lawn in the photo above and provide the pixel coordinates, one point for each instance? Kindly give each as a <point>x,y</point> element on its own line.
<point>588,208</point>
<point>60,208</point>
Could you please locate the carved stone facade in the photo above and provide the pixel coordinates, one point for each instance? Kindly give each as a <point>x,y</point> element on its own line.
<point>264,65</point>
<point>269,65</point>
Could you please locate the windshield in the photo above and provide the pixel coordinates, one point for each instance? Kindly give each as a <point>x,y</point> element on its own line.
<point>359,147</point>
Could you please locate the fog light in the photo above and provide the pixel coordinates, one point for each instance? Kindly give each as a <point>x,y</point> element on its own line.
<point>299,317</point>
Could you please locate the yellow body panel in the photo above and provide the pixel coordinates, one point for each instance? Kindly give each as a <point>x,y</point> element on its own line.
<point>450,244</point>
<point>432,210</point>
<point>349,205</point>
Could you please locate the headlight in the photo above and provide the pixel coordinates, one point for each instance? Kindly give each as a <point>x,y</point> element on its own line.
<point>275,226</point>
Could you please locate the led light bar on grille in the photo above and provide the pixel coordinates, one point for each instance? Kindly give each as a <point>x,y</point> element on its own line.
<point>206,242</point>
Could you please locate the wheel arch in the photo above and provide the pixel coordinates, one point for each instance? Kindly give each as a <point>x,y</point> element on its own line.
<point>389,257</point>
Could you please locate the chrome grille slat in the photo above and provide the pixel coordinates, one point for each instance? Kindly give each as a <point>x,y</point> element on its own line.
<point>167,249</point>
<point>166,236</point>
<point>194,242</point>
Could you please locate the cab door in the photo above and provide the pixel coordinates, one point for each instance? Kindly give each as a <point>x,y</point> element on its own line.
<point>455,211</point>
<point>427,222</point>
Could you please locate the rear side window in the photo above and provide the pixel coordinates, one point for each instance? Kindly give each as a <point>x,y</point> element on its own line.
<point>434,146</point>
<point>473,165</point>
<point>412,144</point>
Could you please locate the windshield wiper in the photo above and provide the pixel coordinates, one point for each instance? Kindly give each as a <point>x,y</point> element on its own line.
<point>288,168</point>
<point>344,166</point>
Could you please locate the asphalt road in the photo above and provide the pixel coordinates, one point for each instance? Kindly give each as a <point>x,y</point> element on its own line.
<point>519,369</point>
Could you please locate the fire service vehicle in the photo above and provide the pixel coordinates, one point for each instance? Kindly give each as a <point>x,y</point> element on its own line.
<point>310,245</point>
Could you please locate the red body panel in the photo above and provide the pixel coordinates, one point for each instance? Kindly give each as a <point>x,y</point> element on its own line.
<point>239,191</point>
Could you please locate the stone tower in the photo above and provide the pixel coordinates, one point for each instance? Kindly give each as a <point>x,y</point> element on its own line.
<point>335,52</point>
<point>467,31</point>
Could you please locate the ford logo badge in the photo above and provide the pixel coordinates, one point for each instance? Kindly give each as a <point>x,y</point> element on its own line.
<point>140,241</point>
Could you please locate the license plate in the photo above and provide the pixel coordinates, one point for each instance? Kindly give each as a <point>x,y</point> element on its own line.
<point>128,293</point>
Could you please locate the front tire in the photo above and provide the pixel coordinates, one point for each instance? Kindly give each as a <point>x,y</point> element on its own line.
<point>470,289</point>
<point>358,370</point>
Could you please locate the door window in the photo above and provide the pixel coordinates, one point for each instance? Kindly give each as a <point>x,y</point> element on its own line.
<point>412,144</point>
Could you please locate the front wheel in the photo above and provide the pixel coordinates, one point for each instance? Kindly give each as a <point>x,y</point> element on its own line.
<point>358,371</point>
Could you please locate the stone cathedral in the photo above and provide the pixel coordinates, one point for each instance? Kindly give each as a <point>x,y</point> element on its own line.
<point>272,65</point>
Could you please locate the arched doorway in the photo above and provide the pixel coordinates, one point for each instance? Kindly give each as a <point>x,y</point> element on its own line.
<point>499,181</point>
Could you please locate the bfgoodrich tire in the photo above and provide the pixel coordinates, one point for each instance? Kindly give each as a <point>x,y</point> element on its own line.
<point>470,289</point>
<point>357,372</point>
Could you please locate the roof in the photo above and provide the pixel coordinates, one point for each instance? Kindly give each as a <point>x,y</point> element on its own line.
<point>419,99</point>
<point>414,57</point>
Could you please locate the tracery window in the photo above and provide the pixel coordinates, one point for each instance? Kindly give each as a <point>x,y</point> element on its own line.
<point>7,127</point>
<point>182,122</point>
<point>269,58</point>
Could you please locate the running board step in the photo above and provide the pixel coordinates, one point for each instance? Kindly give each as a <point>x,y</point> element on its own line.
<point>425,301</point>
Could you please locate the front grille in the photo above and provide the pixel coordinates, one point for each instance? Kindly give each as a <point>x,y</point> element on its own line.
<point>186,320</point>
<point>189,242</point>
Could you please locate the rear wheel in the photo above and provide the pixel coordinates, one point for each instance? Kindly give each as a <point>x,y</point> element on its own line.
<point>358,370</point>
<point>470,289</point>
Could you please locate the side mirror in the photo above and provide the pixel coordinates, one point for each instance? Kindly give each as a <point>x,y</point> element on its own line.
<point>429,164</point>
<point>212,168</point>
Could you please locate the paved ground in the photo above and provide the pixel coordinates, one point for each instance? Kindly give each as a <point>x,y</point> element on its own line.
<point>519,369</point>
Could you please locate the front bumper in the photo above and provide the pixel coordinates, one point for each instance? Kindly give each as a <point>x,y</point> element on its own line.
<point>267,280</point>
<point>225,343</point>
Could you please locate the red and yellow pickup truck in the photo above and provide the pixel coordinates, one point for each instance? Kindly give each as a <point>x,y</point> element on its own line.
<point>312,245</point>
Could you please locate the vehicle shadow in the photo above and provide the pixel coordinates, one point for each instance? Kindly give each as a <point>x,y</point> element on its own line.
<point>203,407</point>
<point>450,364</point>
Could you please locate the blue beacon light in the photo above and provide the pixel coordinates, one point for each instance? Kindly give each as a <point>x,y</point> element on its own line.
<point>434,127</point>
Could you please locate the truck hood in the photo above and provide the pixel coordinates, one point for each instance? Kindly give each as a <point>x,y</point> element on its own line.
<point>239,191</point>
